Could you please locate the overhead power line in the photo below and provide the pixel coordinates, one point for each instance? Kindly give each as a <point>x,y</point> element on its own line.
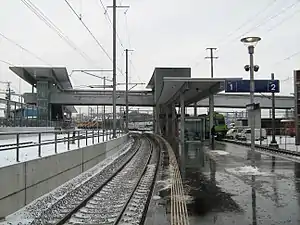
<point>249,20</point>
<point>284,20</point>
<point>24,49</point>
<point>110,23</point>
<point>266,20</point>
<point>90,32</point>
<point>271,18</point>
<point>52,26</point>
<point>8,63</point>
<point>224,39</point>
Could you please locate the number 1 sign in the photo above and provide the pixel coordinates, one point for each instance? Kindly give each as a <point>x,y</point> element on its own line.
<point>266,86</point>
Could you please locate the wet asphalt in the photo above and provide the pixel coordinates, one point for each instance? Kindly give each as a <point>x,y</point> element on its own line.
<point>220,196</point>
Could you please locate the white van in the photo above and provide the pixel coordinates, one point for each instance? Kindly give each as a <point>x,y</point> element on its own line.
<point>233,133</point>
<point>246,134</point>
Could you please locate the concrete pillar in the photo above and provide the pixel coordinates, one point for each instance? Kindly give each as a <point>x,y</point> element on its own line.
<point>173,110</point>
<point>42,101</point>
<point>154,120</point>
<point>203,128</point>
<point>167,122</point>
<point>182,117</point>
<point>211,119</point>
<point>195,109</point>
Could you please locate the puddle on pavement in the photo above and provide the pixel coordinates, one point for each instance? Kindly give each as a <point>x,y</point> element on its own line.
<point>251,200</point>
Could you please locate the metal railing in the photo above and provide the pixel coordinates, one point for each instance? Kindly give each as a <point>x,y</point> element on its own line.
<point>68,137</point>
<point>283,136</point>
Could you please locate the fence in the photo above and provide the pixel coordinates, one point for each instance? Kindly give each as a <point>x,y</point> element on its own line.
<point>69,137</point>
<point>284,137</point>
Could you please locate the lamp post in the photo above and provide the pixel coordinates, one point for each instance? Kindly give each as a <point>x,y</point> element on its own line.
<point>251,42</point>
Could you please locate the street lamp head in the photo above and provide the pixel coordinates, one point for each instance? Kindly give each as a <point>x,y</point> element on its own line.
<point>250,41</point>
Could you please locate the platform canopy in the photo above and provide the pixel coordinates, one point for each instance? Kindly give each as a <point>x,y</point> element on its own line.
<point>193,89</point>
<point>58,75</point>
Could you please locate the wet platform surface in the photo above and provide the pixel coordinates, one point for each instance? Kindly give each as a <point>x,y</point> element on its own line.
<point>223,194</point>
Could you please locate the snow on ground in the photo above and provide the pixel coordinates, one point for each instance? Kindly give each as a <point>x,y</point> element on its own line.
<point>8,157</point>
<point>29,212</point>
<point>247,170</point>
<point>219,152</point>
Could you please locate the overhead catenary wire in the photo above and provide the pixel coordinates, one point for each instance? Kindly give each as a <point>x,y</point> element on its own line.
<point>265,21</point>
<point>256,15</point>
<point>110,23</point>
<point>8,63</point>
<point>224,39</point>
<point>91,33</point>
<point>284,20</point>
<point>23,48</point>
<point>284,10</point>
<point>33,8</point>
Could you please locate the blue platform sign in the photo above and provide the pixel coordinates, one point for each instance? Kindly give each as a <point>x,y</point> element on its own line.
<point>266,86</point>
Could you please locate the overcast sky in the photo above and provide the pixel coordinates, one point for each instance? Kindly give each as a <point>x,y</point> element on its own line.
<point>163,33</point>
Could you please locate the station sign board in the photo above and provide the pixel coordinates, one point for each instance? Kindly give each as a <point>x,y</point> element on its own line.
<point>263,86</point>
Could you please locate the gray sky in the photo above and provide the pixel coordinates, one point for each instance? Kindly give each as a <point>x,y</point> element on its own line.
<point>162,33</point>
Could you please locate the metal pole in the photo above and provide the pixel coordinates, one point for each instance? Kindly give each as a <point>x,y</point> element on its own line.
<point>68,144</point>
<point>55,142</point>
<point>15,112</point>
<point>211,98</point>
<point>273,142</point>
<point>78,139</point>
<point>126,119</point>
<point>114,66</point>
<point>104,118</point>
<point>86,137</point>
<point>18,148</point>
<point>252,89</point>
<point>40,147</point>
<point>98,123</point>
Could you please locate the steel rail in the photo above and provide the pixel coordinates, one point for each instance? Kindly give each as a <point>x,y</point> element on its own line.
<point>146,206</point>
<point>85,201</point>
<point>148,201</point>
<point>136,185</point>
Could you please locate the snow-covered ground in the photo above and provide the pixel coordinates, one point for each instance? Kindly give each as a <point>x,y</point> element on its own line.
<point>28,213</point>
<point>247,170</point>
<point>8,157</point>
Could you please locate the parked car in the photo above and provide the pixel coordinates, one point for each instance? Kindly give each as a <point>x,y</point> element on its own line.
<point>234,133</point>
<point>246,134</point>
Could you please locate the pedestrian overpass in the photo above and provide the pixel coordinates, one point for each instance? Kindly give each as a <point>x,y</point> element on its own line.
<point>56,82</point>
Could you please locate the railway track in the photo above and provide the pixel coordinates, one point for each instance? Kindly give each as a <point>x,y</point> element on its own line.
<point>264,148</point>
<point>119,195</point>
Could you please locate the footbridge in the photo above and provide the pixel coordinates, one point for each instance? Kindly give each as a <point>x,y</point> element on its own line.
<point>57,84</point>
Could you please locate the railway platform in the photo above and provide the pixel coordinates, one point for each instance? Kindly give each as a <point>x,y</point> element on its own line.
<point>224,188</point>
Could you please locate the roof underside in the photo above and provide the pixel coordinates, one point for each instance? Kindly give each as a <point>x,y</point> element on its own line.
<point>151,82</point>
<point>58,75</point>
<point>193,89</point>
